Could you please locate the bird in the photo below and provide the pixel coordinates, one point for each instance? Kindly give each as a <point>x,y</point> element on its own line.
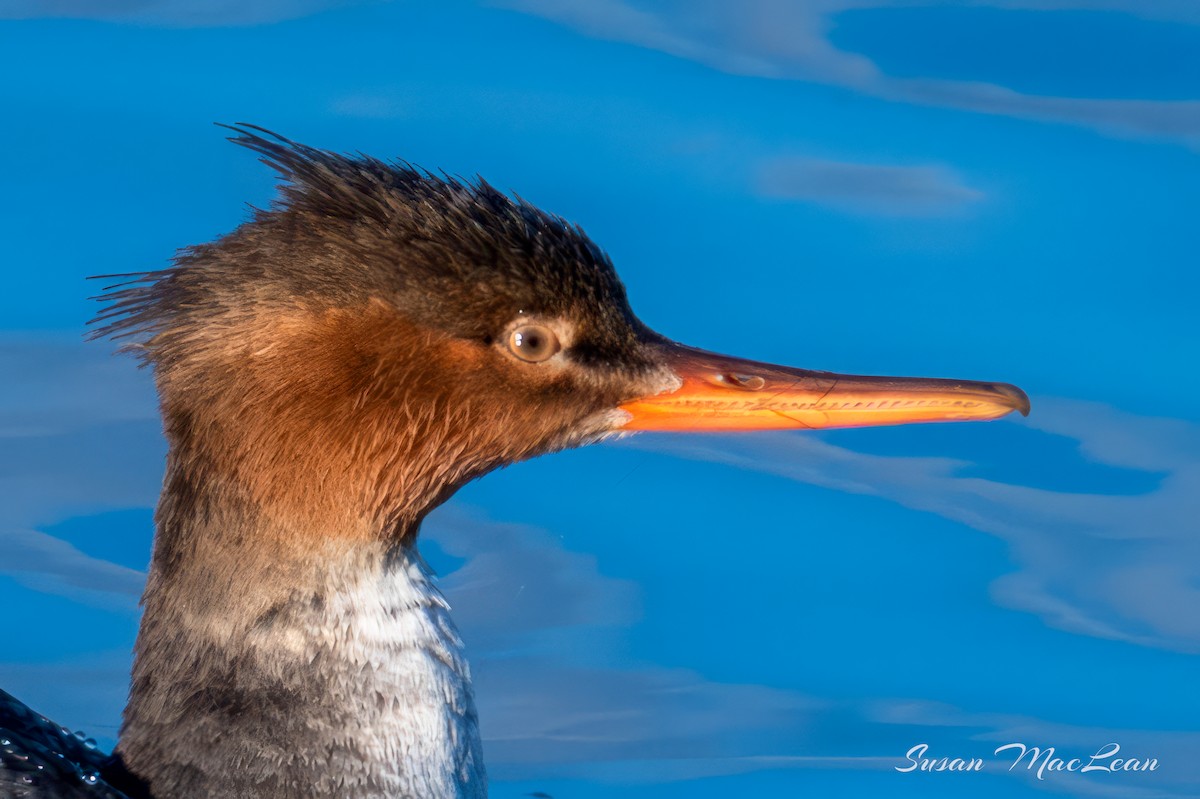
<point>328,373</point>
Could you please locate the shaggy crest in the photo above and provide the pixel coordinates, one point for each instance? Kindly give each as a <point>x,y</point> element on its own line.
<point>453,255</point>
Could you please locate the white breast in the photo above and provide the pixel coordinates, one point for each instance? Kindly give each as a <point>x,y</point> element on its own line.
<point>386,651</point>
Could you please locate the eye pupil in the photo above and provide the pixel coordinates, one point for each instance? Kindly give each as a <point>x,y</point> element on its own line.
<point>533,343</point>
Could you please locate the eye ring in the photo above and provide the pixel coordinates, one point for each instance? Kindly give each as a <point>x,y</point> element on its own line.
<point>533,343</point>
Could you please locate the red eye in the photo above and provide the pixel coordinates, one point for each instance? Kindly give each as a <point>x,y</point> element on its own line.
<point>533,343</point>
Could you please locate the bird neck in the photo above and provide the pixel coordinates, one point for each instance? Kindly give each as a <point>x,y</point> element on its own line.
<point>266,669</point>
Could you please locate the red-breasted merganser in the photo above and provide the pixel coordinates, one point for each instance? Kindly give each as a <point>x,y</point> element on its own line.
<point>330,372</point>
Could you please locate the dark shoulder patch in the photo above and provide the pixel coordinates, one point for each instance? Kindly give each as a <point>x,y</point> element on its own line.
<point>43,760</point>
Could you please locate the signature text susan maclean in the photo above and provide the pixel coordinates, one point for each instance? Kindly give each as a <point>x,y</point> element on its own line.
<point>1040,760</point>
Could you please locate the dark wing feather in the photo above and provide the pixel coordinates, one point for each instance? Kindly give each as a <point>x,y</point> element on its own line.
<point>43,760</point>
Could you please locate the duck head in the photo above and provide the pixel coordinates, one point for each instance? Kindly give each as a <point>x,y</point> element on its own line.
<point>381,335</point>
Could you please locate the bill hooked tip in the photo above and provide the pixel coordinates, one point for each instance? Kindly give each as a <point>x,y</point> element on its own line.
<point>1019,399</point>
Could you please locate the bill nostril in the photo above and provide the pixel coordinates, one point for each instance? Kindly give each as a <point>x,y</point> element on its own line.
<point>748,382</point>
